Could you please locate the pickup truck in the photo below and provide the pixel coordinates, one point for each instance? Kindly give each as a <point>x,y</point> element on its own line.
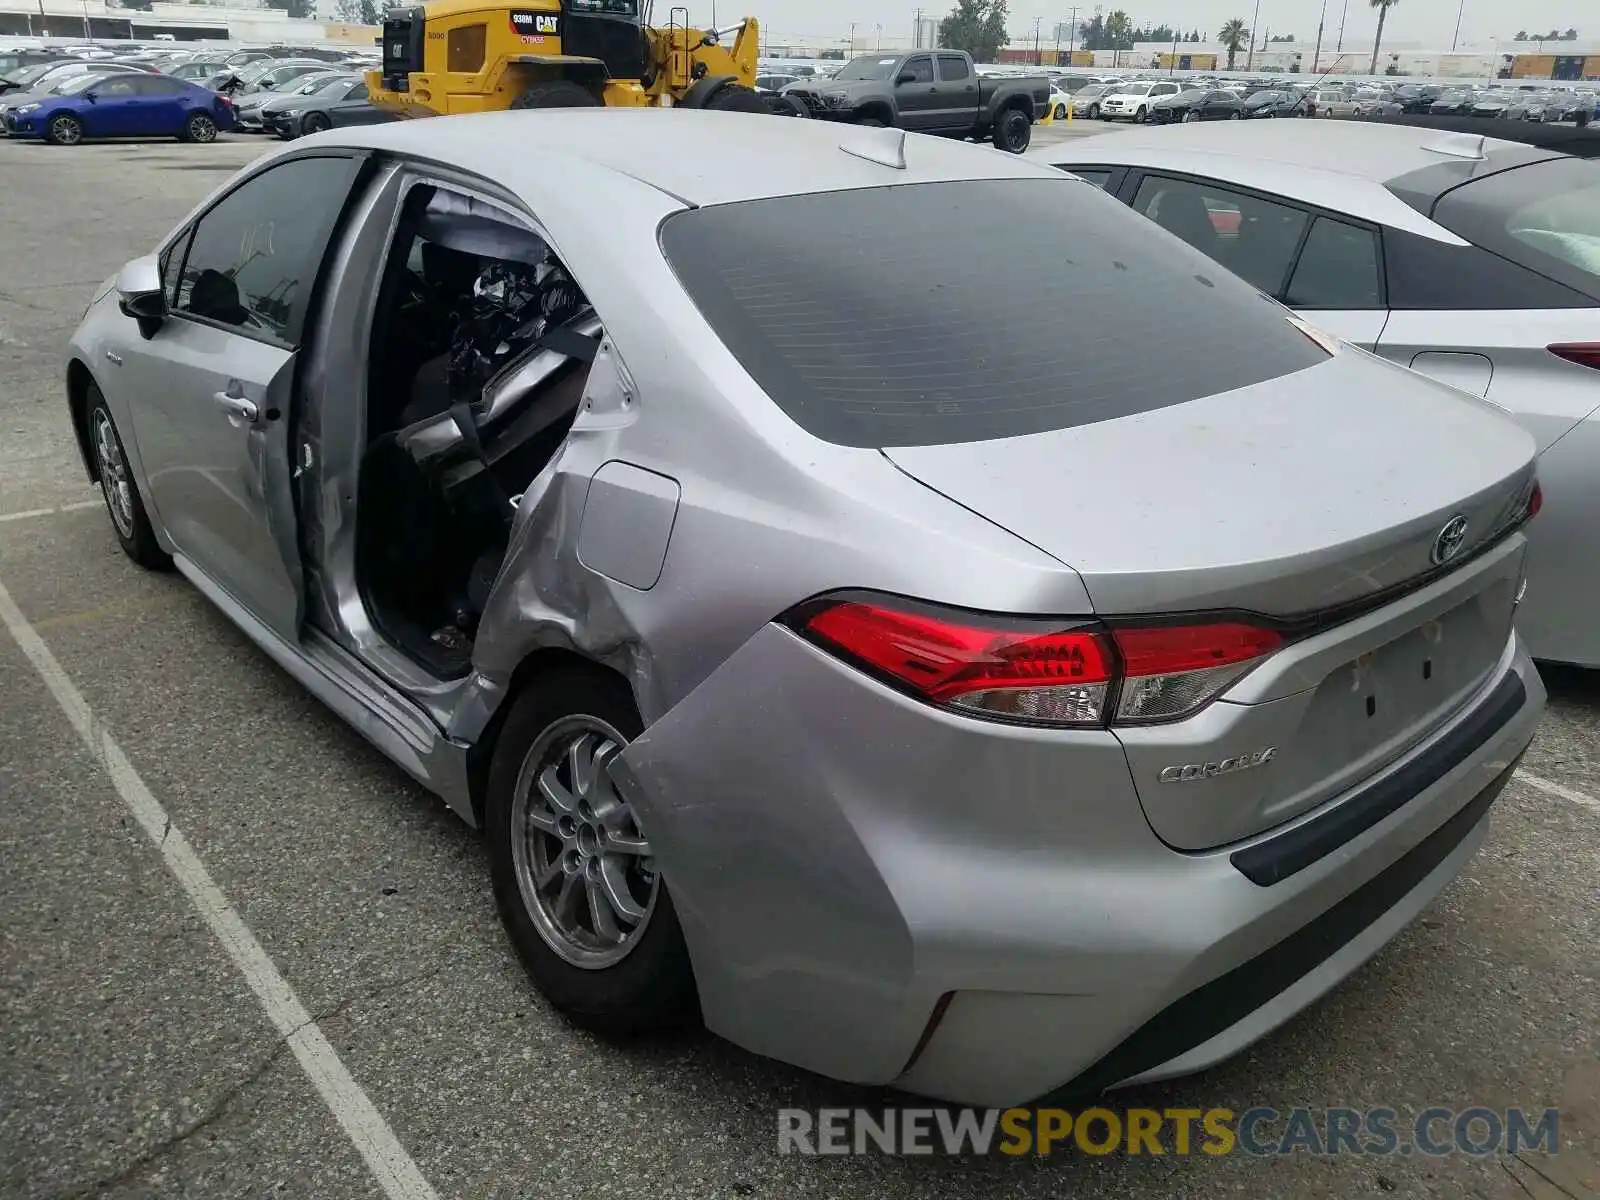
<point>928,91</point>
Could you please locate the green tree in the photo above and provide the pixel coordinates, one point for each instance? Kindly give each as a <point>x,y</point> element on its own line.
<point>371,14</point>
<point>1383,7</point>
<point>1570,35</point>
<point>1233,37</point>
<point>976,26</point>
<point>1119,31</point>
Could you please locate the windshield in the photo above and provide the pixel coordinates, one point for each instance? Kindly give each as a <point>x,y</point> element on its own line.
<point>23,76</point>
<point>867,68</point>
<point>327,87</point>
<point>1136,89</point>
<point>1090,92</point>
<point>868,316</point>
<point>1266,98</point>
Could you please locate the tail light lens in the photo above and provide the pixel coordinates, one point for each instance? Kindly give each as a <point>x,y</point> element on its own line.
<point>1039,673</point>
<point>1584,354</point>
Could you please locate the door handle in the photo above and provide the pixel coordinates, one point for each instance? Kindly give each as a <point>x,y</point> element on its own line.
<point>236,406</point>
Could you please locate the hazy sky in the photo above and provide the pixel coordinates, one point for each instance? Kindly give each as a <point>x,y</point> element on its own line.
<point>1428,21</point>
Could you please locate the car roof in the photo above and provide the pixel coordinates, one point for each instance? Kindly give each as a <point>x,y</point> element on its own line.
<point>1341,165</point>
<point>697,157</point>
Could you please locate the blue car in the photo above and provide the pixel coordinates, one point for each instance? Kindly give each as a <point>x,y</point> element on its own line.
<point>123,105</point>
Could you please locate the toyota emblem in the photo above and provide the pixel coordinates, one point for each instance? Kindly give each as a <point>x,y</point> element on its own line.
<point>1450,540</point>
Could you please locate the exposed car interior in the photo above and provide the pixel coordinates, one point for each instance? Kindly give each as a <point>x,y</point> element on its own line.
<point>481,346</point>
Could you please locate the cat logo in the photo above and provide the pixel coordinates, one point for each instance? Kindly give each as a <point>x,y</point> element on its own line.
<point>533,25</point>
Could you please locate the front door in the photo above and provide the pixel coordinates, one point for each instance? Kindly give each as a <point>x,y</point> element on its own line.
<point>213,391</point>
<point>113,107</point>
<point>916,94</point>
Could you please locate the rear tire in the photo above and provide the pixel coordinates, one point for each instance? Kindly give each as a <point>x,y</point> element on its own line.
<point>1061,112</point>
<point>557,93</point>
<point>873,123</point>
<point>129,521</point>
<point>199,128</point>
<point>788,106</point>
<point>63,129</point>
<point>735,97</point>
<point>645,983</point>
<point>1013,131</point>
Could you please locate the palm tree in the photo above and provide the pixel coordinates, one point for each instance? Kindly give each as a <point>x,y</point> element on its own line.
<point>1383,7</point>
<point>1233,37</point>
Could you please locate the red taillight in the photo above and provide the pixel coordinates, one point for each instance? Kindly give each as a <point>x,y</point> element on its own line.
<point>1585,354</point>
<point>1026,670</point>
<point>1535,501</point>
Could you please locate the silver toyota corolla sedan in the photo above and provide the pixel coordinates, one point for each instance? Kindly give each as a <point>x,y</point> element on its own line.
<point>829,643</point>
<point>1475,261</point>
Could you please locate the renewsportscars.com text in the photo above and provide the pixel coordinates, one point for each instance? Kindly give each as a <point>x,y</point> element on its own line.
<point>1259,1132</point>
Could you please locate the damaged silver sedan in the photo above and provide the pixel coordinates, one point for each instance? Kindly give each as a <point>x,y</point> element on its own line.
<point>829,648</point>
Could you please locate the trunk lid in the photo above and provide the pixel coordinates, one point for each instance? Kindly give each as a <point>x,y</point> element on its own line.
<point>1324,490</point>
<point>1304,493</point>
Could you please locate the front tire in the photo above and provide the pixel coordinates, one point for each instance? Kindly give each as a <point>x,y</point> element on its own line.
<point>1013,131</point>
<point>1141,115</point>
<point>577,887</point>
<point>735,97</point>
<point>129,521</point>
<point>199,128</point>
<point>64,129</point>
<point>314,122</point>
<point>557,93</point>
<point>1061,112</point>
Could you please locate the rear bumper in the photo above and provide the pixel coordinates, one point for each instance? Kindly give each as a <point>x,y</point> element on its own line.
<point>888,894</point>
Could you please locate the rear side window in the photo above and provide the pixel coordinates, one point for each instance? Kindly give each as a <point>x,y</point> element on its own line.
<point>1544,216</point>
<point>1338,268</point>
<point>935,313</point>
<point>1254,238</point>
<point>952,67</point>
<point>1099,176</point>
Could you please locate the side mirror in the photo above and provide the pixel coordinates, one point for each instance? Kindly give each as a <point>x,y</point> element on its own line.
<point>91,97</point>
<point>140,294</point>
<point>906,77</point>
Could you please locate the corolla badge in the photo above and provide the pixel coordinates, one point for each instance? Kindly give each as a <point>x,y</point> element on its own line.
<point>1449,541</point>
<point>1190,772</point>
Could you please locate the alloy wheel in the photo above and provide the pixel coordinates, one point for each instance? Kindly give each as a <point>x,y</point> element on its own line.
<point>66,131</point>
<point>587,875</point>
<point>114,478</point>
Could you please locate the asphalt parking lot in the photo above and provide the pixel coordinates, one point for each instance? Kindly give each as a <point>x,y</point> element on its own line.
<point>137,1059</point>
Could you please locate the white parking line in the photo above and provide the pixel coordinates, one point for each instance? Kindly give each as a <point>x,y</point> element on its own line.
<point>24,515</point>
<point>1581,799</point>
<point>388,1161</point>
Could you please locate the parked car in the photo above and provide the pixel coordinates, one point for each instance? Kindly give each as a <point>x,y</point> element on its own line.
<point>774,83</point>
<point>1197,104</point>
<point>44,76</point>
<point>1132,101</point>
<point>197,70</point>
<point>1334,102</point>
<point>1086,101</point>
<point>1274,103</point>
<point>1417,98</point>
<point>930,92</point>
<point>1058,104</point>
<point>1454,103</point>
<point>1492,286</point>
<point>12,61</point>
<point>248,106</point>
<point>277,77</point>
<point>336,102</point>
<point>732,683</point>
<point>126,105</point>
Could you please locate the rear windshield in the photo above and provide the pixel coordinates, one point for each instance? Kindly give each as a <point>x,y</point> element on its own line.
<point>935,313</point>
<point>1544,216</point>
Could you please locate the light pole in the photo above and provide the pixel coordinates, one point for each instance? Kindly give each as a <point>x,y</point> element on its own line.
<point>879,49</point>
<point>1072,31</point>
<point>1345,13</point>
<point>1316,55</point>
<point>1255,23</point>
<point>1038,59</point>
<point>1459,12</point>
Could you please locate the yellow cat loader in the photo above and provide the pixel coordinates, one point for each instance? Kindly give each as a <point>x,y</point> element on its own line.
<point>465,56</point>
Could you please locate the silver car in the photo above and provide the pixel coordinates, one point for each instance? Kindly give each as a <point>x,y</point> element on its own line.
<point>823,651</point>
<point>1474,261</point>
